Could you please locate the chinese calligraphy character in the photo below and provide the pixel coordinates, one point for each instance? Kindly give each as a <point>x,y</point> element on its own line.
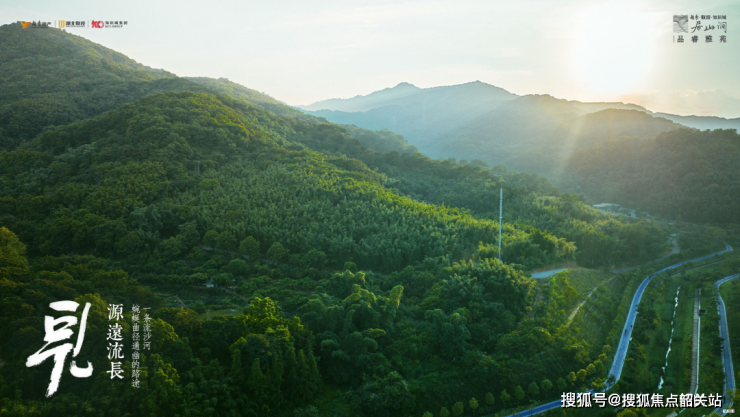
<point>135,310</point>
<point>115,351</point>
<point>115,311</point>
<point>723,39</point>
<point>114,332</point>
<point>115,370</point>
<point>708,38</point>
<point>695,39</point>
<point>60,352</point>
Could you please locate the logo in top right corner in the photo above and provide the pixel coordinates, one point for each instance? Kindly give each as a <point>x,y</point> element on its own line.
<point>680,23</point>
<point>692,25</point>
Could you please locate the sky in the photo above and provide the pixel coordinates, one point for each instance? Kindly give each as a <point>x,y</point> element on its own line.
<point>301,52</point>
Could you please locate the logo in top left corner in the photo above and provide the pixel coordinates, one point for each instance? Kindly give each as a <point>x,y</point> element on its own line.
<point>35,25</point>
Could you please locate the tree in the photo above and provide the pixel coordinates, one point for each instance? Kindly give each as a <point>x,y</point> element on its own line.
<point>546,386</point>
<point>223,280</point>
<point>12,254</point>
<point>444,412</point>
<point>561,384</point>
<point>250,246</point>
<point>598,384</point>
<point>599,365</point>
<point>505,397</point>
<point>519,393</point>
<point>458,408</point>
<point>533,390</point>
<point>489,399</point>
<point>582,375</point>
<point>277,252</point>
<point>590,369</point>
<point>572,377</point>
<point>226,241</point>
<point>238,267</point>
<point>210,238</point>
<point>387,396</point>
<point>428,414</point>
<point>209,184</point>
<point>450,331</point>
<point>473,403</point>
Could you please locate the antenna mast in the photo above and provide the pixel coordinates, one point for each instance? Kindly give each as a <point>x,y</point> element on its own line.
<point>500,216</point>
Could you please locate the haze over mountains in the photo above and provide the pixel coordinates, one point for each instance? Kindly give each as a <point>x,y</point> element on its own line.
<point>481,121</point>
<point>562,139</point>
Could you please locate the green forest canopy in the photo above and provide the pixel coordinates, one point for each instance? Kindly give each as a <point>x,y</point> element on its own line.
<point>371,272</point>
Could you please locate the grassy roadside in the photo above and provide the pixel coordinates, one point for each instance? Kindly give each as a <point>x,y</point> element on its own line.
<point>711,374</point>
<point>595,320</point>
<point>652,355</point>
<point>678,369</point>
<point>646,355</point>
<point>584,280</point>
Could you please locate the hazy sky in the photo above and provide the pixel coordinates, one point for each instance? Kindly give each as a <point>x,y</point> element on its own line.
<point>305,51</point>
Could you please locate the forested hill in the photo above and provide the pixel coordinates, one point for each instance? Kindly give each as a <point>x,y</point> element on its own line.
<point>684,174</point>
<point>361,282</point>
<point>52,78</point>
<point>456,121</point>
<point>555,130</point>
<point>479,121</point>
<point>612,152</point>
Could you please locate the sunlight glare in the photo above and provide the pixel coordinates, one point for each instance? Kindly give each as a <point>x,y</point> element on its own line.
<point>614,48</point>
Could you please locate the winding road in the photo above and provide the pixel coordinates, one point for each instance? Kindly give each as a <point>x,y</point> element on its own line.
<point>726,353</point>
<point>624,342</point>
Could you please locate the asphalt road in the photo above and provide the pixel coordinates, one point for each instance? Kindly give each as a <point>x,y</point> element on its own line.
<point>621,353</point>
<point>624,342</point>
<point>726,353</point>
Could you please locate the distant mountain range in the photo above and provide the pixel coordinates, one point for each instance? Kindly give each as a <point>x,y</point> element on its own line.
<point>476,120</point>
